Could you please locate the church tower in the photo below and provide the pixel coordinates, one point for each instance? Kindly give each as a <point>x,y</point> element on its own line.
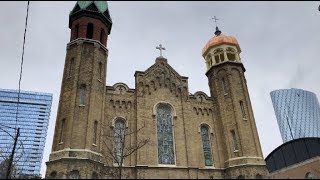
<point>76,149</point>
<point>241,153</point>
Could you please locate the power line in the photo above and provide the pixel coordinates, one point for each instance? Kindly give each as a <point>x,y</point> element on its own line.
<point>8,176</point>
<point>21,67</point>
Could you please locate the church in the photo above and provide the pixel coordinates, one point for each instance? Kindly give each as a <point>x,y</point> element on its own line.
<point>156,129</point>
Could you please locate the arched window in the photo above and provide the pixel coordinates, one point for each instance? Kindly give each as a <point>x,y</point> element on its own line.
<point>119,140</point>
<point>258,176</point>
<point>76,31</point>
<point>74,174</point>
<point>102,36</point>
<point>100,70</point>
<point>71,68</point>
<point>53,175</point>
<point>89,31</point>
<point>231,54</point>
<point>224,86</point>
<point>82,94</point>
<point>208,61</point>
<point>165,134</point>
<point>206,144</point>
<point>242,110</point>
<point>309,175</point>
<point>95,128</point>
<point>234,141</point>
<point>94,175</point>
<point>62,130</point>
<point>219,55</point>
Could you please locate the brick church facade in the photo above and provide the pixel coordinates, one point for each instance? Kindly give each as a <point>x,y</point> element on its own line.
<point>188,135</point>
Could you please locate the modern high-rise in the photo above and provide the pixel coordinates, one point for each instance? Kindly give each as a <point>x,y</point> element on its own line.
<point>32,119</point>
<point>297,112</point>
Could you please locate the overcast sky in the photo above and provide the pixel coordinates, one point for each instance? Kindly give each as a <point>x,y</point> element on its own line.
<point>280,43</point>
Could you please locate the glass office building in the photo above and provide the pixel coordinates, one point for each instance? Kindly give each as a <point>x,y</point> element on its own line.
<point>32,119</point>
<point>297,112</point>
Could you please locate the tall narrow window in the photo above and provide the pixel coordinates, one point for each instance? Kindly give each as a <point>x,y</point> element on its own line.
<point>102,36</point>
<point>62,130</point>
<point>219,55</point>
<point>119,140</point>
<point>76,31</point>
<point>71,67</point>
<point>231,54</point>
<point>165,134</point>
<point>242,110</point>
<point>95,128</point>
<point>82,94</point>
<point>206,145</point>
<point>100,70</point>
<point>234,140</point>
<point>89,31</point>
<point>225,86</point>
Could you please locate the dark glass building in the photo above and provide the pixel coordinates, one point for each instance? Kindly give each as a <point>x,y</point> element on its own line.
<point>297,112</point>
<point>32,119</point>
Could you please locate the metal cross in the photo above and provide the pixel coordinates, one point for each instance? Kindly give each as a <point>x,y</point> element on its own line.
<point>215,20</point>
<point>160,48</point>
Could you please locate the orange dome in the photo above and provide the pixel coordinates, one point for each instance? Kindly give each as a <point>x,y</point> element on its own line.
<point>218,40</point>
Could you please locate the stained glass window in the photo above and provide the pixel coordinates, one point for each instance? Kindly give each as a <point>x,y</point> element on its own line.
<point>165,134</point>
<point>206,145</point>
<point>234,140</point>
<point>242,110</point>
<point>119,129</point>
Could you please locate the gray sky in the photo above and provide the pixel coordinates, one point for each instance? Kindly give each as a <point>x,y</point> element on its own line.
<point>280,43</point>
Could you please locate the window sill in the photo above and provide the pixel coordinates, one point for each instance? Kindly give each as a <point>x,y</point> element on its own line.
<point>225,94</point>
<point>245,119</point>
<point>100,80</point>
<point>82,105</point>
<point>166,165</point>
<point>60,143</point>
<point>94,145</point>
<point>235,151</point>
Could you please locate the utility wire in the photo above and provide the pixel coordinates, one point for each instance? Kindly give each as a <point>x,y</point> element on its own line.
<point>8,176</point>
<point>24,41</point>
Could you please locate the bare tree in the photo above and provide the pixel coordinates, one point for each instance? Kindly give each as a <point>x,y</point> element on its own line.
<point>119,147</point>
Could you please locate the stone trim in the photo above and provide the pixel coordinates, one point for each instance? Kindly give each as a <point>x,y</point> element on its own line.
<point>80,41</point>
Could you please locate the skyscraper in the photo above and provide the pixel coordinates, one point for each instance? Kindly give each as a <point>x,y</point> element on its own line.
<point>297,112</point>
<point>33,116</point>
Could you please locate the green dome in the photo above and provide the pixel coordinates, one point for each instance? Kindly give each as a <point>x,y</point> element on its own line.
<point>96,9</point>
<point>101,5</point>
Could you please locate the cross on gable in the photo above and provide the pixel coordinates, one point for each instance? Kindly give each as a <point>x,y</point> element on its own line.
<point>160,48</point>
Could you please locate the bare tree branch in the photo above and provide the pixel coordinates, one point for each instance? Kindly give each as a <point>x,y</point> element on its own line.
<point>119,147</point>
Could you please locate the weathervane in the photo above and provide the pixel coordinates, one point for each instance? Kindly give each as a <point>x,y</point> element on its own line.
<point>160,48</point>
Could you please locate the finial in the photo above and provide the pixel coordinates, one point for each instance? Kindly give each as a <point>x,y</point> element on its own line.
<point>218,32</point>
<point>160,48</point>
